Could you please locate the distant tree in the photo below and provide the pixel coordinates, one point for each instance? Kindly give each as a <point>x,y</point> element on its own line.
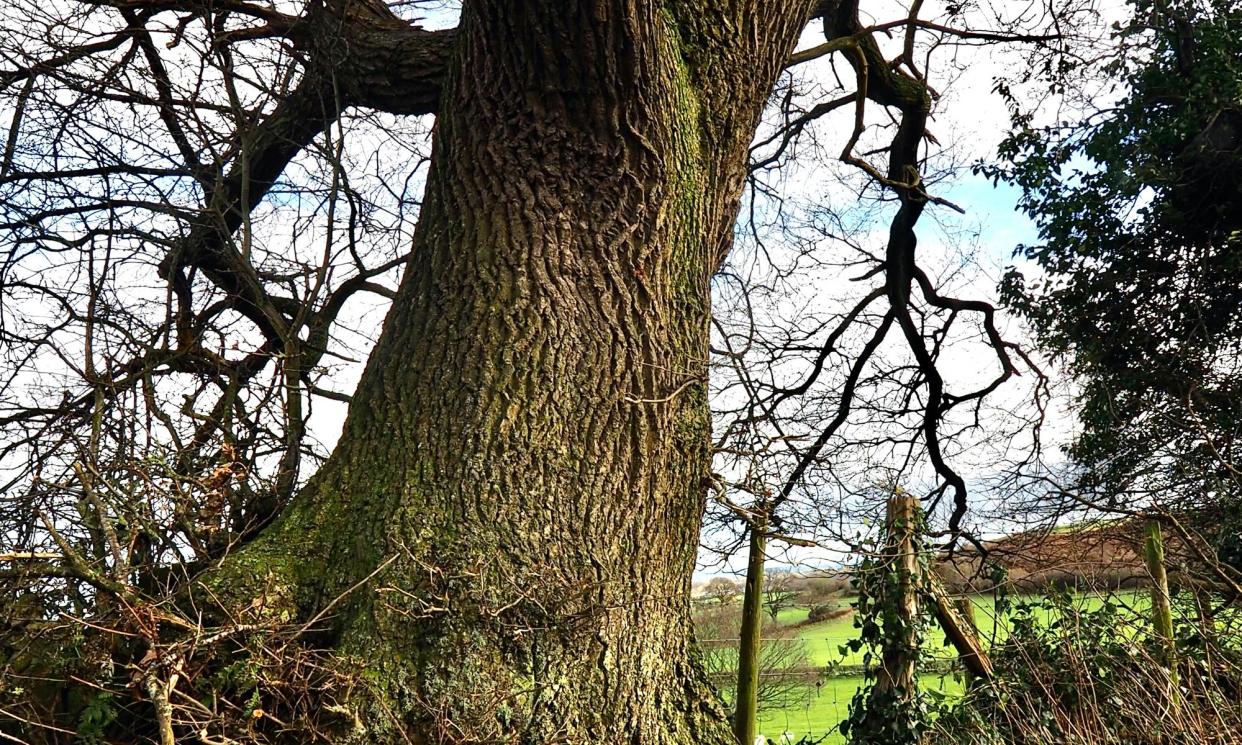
<point>821,588</point>
<point>780,591</point>
<point>723,590</point>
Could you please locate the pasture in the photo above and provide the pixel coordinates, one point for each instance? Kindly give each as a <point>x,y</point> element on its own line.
<point>820,708</point>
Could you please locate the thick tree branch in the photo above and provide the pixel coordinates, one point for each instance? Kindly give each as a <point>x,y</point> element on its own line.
<point>361,55</point>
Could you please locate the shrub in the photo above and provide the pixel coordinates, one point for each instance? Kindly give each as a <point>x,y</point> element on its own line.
<point>785,670</point>
<point>825,611</point>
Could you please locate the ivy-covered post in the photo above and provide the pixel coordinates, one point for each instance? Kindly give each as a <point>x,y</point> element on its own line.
<point>888,710</point>
<point>1161,607</point>
<point>897,680</point>
<point>745,716</point>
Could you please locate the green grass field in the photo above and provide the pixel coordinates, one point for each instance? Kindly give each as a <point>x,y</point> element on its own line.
<point>825,639</point>
<point>821,712</point>
<point>823,709</point>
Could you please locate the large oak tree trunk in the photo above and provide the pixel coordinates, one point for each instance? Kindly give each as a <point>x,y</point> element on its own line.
<point>527,454</point>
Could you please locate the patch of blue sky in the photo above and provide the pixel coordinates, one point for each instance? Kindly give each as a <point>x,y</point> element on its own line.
<point>992,212</point>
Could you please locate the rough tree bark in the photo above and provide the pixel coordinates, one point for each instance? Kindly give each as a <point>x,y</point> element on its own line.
<point>527,453</point>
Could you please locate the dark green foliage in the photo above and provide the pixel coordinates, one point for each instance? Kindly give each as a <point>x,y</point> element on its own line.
<point>99,712</point>
<point>1139,293</point>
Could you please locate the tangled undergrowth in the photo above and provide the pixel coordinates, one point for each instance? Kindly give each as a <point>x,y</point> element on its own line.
<point>1095,677</point>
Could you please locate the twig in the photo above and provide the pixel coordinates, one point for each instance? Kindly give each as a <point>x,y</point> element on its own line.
<point>340,597</point>
<point>29,556</point>
<point>665,399</point>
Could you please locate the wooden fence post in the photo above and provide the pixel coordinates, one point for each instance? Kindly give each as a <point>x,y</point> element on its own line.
<point>959,628</point>
<point>1161,606</point>
<point>746,709</point>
